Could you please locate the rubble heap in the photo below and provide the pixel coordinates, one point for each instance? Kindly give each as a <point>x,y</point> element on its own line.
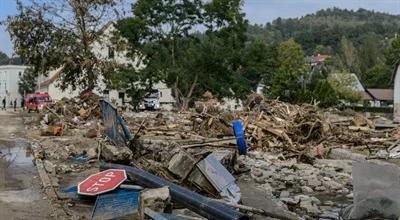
<point>288,145</point>
<point>303,131</point>
<point>69,113</point>
<point>81,108</point>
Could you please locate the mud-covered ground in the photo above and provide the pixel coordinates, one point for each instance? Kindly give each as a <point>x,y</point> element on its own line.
<point>21,195</point>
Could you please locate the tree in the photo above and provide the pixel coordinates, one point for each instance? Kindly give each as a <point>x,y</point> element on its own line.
<point>344,84</point>
<point>158,30</point>
<point>129,79</point>
<point>369,54</point>
<point>51,34</point>
<point>286,83</point>
<point>3,58</point>
<point>260,63</point>
<point>378,76</point>
<point>349,55</point>
<point>164,34</point>
<point>393,53</point>
<point>321,49</point>
<point>27,82</point>
<point>325,94</point>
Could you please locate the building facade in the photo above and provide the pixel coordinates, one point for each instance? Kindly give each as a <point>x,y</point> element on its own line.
<point>378,97</point>
<point>9,78</point>
<point>396,95</point>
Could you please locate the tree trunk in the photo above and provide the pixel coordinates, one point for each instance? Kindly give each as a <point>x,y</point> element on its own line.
<point>186,100</point>
<point>185,103</point>
<point>176,93</point>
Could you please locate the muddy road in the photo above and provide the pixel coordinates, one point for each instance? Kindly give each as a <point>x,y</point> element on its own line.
<point>21,194</point>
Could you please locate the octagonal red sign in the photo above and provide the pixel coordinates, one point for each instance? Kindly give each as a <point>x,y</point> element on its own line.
<point>102,182</point>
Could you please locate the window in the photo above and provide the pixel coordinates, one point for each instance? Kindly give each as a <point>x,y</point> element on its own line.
<point>121,95</point>
<point>111,53</point>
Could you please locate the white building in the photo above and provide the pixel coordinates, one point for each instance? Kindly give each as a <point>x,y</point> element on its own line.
<point>103,48</point>
<point>9,78</point>
<point>396,95</point>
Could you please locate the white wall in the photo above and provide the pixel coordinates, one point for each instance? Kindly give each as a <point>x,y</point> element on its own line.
<point>231,104</point>
<point>9,78</point>
<point>165,93</point>
<point>102,46</point>
<point>396,101</point>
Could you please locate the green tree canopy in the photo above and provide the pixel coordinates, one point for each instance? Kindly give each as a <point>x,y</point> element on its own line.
<point>165,34</point>
<point>3,58</point>
<point>393,53</point>
<point>286,83</point>
<point>51,34</point>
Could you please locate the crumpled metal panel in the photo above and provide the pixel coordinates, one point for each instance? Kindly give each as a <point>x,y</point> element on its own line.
<point>220,178</point>
<point>111,123</point>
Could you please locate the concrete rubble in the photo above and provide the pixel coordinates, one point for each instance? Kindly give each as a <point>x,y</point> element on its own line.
<point>156,199</point>
<point>299,156</point>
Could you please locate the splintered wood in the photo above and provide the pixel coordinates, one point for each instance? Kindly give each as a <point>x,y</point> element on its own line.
<point>301,131</point>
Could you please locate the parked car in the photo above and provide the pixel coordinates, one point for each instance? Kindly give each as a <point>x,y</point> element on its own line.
<point>151,101</point>
<point>36,101</point>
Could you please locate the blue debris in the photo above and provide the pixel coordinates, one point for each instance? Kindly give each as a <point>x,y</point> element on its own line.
<point>114,125</point>
<point>73,193</point>
<point>116,204</point>
<point>240,137</point>
<point>71,189</point>
<point>80,158</point>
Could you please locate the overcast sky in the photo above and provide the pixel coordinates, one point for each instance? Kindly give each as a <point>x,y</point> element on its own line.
<point>257,11</point>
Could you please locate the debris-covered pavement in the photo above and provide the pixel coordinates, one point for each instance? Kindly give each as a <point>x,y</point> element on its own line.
<point>297,162</point>
<point>21,196</point>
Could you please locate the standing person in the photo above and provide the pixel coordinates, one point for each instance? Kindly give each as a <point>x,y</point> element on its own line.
<point>4,103</point>
<point>15,104</point>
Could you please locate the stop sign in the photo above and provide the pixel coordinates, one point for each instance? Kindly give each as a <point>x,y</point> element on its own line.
<point>102,182</point>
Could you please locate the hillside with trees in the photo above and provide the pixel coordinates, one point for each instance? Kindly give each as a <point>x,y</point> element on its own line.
<point>230,63</point>
<point>358,41</point>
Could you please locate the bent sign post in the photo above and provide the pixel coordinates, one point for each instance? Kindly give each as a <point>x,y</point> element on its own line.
<point>102,182</point>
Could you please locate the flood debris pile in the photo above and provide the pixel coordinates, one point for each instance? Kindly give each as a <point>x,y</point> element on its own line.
<point>295,131</point>
<point>289,129</point>
<point>68,114</point>
<point>68,135</point>
<point>270,125</point>
<point>287,159</point>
